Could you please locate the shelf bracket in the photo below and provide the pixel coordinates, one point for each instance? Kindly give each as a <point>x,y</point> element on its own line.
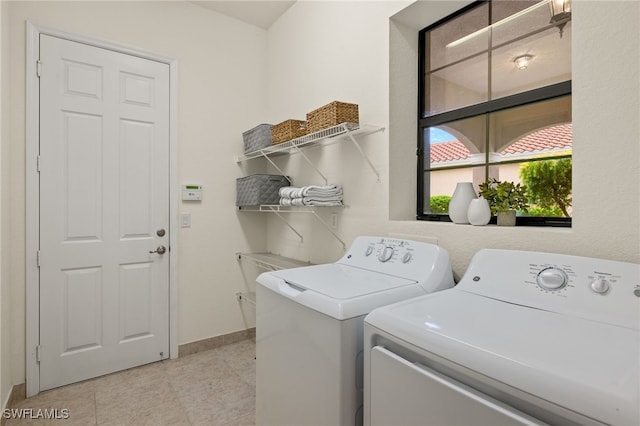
<point>240,296</point>
<point>299,151</point>
<point>275,166</point>
<point>275,210</point>
<point>359,148</point>
<point>344,246</point>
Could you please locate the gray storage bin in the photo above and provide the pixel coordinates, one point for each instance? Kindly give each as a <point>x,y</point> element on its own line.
<point>257,138</point>
<point>259,189</point>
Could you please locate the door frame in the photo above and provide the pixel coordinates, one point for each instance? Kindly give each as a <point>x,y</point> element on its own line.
<point>32,244</point>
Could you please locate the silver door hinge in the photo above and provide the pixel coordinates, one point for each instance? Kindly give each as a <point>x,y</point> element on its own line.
<point>38,258</point>
<point>38,350</point>
<point>38,68</point>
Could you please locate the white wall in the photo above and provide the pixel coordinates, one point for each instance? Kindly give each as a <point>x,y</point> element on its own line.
<point>221,93</point>
<point>348,60</point>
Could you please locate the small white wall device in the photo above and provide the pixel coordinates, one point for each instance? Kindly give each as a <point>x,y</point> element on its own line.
<point>191,192</point>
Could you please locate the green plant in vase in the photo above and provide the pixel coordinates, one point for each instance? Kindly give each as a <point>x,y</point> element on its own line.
<point>504,199</point>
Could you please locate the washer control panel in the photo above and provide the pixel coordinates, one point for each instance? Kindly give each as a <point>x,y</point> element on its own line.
<point>593,288</point>
<point>402,258</point>
<point>391,250</point>
<point>555,279</point>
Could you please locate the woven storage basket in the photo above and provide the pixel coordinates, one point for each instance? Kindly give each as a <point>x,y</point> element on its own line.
<point>288,130</point>
<point>331,115</point>
<point>257,138</point>
<point>259,189</point>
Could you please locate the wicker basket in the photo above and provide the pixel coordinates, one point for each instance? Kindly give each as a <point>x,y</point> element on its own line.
<point>331,115</point>
<point>257,138</point>
<point>288,130</point>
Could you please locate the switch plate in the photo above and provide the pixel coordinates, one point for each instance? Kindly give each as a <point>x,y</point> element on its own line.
<point>186,220</point>
<point>334,220</point>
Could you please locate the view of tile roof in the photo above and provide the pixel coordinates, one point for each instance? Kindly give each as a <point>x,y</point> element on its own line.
<point>448,151</point>
<point>545,140</point>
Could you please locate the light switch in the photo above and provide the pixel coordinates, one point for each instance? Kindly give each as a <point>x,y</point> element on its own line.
<point>186,220</point>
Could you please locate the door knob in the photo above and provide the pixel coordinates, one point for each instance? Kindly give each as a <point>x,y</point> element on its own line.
<point>160,250</point>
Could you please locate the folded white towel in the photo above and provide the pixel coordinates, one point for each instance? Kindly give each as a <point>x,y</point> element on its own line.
<point>314,190</point>
<point>312,195</point>
<point>311,201</point>
<point>310,191</point>
<point>321,203</point>
<point>336,198</point>
<point>296,202</point>
<point>290,192</point>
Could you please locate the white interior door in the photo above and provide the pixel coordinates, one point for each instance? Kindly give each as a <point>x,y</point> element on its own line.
<point>104,201</point>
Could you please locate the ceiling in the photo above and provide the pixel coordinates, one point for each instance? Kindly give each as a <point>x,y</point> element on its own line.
<point>261,13</point>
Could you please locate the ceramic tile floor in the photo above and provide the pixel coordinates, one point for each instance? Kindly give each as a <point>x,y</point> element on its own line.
<point>214,387</point>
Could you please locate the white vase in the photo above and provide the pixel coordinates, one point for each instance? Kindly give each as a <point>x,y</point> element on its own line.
<point>459,204</point>
<point>479,212</point>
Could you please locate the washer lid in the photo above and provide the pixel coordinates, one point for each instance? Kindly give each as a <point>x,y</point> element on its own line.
<point>339,291</point>
<point>586,366</point>
<point>341,282</point>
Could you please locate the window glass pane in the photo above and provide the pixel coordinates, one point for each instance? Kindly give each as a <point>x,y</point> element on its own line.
<point>457,39</point>
<point>457,143</point>
<point>531,130</point>
<point>442,185</point>
<point>539,60</point>
<point>548,183</point>
<point>515,19</point>
<point>456,86</point>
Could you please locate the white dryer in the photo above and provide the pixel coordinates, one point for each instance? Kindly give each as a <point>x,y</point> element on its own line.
<point>524,338</point>
<point>309,327</point>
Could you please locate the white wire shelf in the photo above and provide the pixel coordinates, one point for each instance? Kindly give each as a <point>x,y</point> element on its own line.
<point>272,262</point>
<point>269,262</point>
<point>278,210</point>
<point>327,135</point>
<point>274,208</point>
<point>344,131</point>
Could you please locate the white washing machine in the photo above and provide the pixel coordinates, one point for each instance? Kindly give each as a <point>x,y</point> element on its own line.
<point>524,338</point>
<point>309,327</point>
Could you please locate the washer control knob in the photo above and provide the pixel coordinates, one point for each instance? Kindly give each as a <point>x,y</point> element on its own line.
<point>385,254</point>
<point>368,251</point>
<point>407,257</point>
<point>600,285</point>
<point>552,279</point>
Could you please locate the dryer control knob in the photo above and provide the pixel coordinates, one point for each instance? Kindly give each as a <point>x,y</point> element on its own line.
<point>368,251</point>
<point>600,285</point>
<point>385,254</point>
<point>552,279</point>
<point>407,257</point>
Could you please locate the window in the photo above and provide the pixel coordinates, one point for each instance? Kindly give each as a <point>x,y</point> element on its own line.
<point>495,102</point>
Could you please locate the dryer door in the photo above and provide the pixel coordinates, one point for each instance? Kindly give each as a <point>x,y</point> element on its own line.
<point>405,393</point>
